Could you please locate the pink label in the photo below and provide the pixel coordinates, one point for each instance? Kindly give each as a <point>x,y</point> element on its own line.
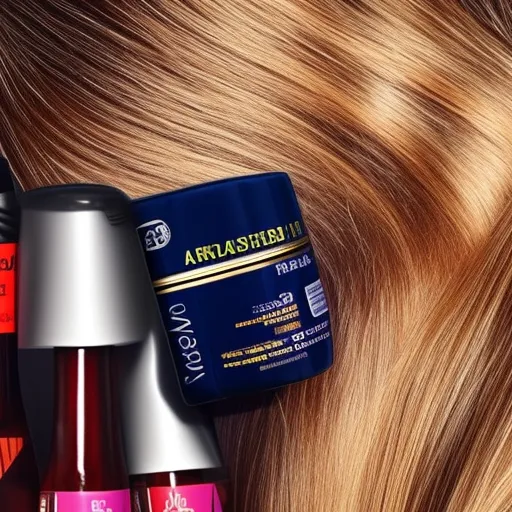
<point>98,501</point>
<point>186,498</point>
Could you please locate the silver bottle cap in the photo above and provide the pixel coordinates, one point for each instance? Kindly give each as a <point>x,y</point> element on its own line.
<point>161,433</point>
<point>82,273</point>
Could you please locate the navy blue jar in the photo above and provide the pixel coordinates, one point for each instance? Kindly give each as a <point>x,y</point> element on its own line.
<point>237,284</point>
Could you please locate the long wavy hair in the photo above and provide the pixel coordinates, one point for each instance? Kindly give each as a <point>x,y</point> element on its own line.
<point>393,118</point>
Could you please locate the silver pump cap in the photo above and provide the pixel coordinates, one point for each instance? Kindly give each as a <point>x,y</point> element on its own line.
<point>161,433</point>
<point>82,275</point>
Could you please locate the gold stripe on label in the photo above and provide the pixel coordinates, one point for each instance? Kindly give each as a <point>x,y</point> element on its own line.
<point>225,275</point>
<point>227,265</point>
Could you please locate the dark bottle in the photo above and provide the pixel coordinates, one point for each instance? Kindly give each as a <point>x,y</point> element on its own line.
<point>87,470</point>
<point>19,485</point>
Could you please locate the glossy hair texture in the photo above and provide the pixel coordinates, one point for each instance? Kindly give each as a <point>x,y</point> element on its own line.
<point>496,15</point>
<point>393,118</point>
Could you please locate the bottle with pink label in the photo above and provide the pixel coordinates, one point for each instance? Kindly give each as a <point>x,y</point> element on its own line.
<point>172,453</point>
<point>82,294</point>
<point>171,449</point>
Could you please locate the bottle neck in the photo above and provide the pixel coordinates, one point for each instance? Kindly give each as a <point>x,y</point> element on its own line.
<point>87,450</point>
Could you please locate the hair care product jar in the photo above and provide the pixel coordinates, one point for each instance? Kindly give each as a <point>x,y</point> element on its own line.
<point>237,284</point>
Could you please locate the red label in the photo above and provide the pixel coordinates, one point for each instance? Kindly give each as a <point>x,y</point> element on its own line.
<point>7,288</point>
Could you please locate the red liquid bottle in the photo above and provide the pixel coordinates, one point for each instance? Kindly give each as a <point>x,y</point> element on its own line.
<point>87,470</point>
<point>19,485</point>
<point>172,452</point>
<point>81,272</point>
